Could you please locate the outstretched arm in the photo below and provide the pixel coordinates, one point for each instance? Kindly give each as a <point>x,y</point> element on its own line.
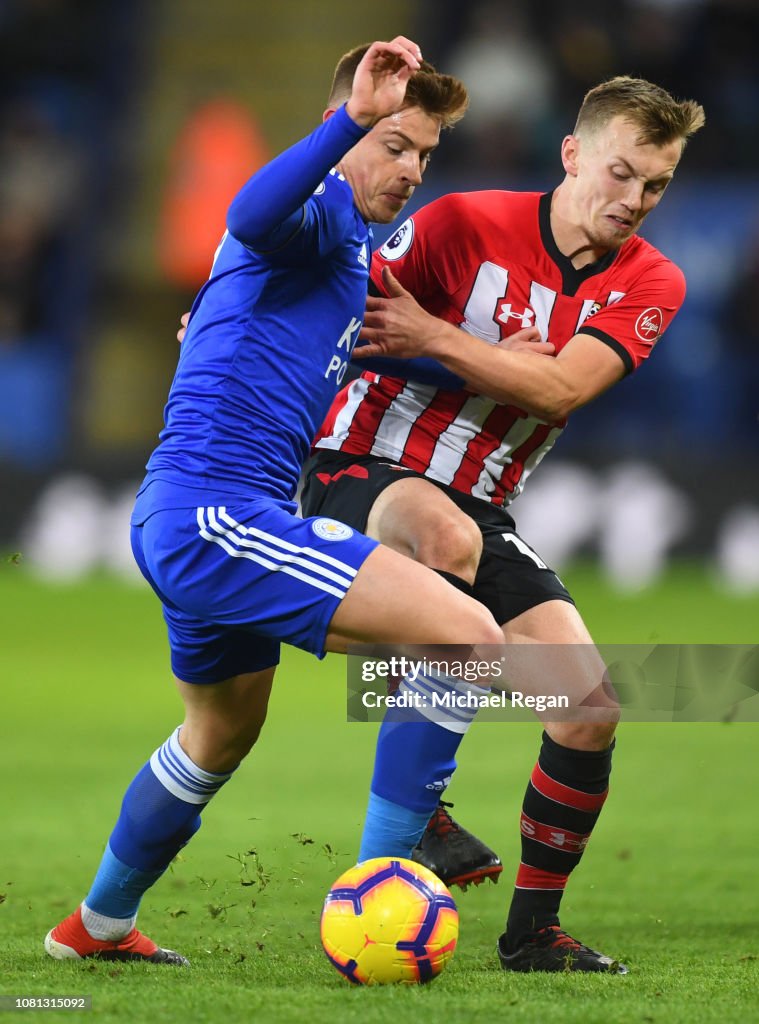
<point>548,388</point>
<point>267,210</point>
<point>424,370</point>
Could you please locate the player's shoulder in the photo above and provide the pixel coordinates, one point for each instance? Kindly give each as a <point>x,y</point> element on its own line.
<point>486,203</point>
<point>638,256</point>
<point>331,211</point>
<point>331,195</point>
<point>486,214</point>
<point>334,187</point>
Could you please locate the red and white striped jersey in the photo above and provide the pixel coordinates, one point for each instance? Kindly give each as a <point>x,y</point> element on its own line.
<point>488,263</point>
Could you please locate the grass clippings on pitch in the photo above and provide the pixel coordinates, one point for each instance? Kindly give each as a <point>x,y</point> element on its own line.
<point>667,883</point>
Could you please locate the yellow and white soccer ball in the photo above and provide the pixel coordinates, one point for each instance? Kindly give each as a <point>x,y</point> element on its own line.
<point>389,920</point>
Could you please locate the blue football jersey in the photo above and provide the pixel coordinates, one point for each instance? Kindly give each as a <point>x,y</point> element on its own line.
<point>270,334</point>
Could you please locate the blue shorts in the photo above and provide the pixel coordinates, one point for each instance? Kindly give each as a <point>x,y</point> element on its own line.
<point>236,581</point>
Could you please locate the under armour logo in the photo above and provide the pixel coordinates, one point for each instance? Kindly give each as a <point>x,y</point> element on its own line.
<point>526,316</point>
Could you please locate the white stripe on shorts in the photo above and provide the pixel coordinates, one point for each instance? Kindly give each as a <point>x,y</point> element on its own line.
<point>237,533</point>
<point>238,547</point>
<point>348,570</point>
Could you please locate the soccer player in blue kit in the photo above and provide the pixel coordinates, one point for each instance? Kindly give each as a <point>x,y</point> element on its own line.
<point>214,530</point>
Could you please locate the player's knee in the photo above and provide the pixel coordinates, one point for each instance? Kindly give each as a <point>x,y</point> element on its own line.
<point>230,750</point>
<point>484,629</point>
<point>241,738</point>
<point>454,544</point>
<point>220,744</point>
<point>593,735</point>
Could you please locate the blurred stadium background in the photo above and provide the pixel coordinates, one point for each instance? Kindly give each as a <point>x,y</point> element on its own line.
<point>126,128</point>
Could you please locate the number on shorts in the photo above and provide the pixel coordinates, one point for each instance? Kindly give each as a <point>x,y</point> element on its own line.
<point>520,545</point>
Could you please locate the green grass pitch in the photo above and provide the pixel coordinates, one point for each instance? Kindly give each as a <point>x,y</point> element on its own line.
<point>668,883</point>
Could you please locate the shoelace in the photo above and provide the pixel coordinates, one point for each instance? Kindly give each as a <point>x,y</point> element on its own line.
<point>442,822</point>
<point>555,937</point>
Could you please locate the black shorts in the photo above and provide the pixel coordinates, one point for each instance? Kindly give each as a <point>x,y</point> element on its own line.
<point>511,577</point>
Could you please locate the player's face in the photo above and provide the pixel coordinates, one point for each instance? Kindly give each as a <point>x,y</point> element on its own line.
<point>616,181</point>
<point>386,166</point>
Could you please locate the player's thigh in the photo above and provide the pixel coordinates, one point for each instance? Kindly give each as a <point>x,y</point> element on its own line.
<point>416,518</point>
<point>396,600</point>
<point>345,487</point>
<point>396,506</point>
<point>204,650</point>
<point>246,576</point>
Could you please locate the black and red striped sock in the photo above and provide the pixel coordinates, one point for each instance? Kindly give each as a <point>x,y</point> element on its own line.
<point>562,803</point>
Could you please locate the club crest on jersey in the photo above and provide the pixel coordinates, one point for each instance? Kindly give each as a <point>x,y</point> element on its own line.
<point>330,529</point>
<point>400,243</point>
<point>649,324</point>
<point>593,310</point>
<point>319,189</point>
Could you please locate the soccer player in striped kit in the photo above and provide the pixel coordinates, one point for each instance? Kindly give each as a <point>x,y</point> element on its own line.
<point>526,306</point>
<point>214,530</point>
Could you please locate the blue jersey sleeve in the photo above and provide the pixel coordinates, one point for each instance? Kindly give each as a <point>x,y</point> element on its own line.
<point>422,370</point>
<point>268,209</point>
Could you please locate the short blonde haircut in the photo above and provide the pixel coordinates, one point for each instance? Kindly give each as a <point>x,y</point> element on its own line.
<point>659,117</point>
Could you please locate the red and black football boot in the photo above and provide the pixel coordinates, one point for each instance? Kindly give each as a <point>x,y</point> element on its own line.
<point>551,949</point>
<point>455,855</point>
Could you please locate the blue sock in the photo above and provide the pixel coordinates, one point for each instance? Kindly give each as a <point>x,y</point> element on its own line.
<point>160,813</point>
<point>414,762</point>
<point>117,889</point>
<point>389,829</point>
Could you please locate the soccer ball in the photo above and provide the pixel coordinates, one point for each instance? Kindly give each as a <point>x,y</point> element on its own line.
<point>389,920</point>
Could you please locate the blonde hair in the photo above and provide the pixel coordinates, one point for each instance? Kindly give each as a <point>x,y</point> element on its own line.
<point>659,117</point>
<point>441,96</point>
